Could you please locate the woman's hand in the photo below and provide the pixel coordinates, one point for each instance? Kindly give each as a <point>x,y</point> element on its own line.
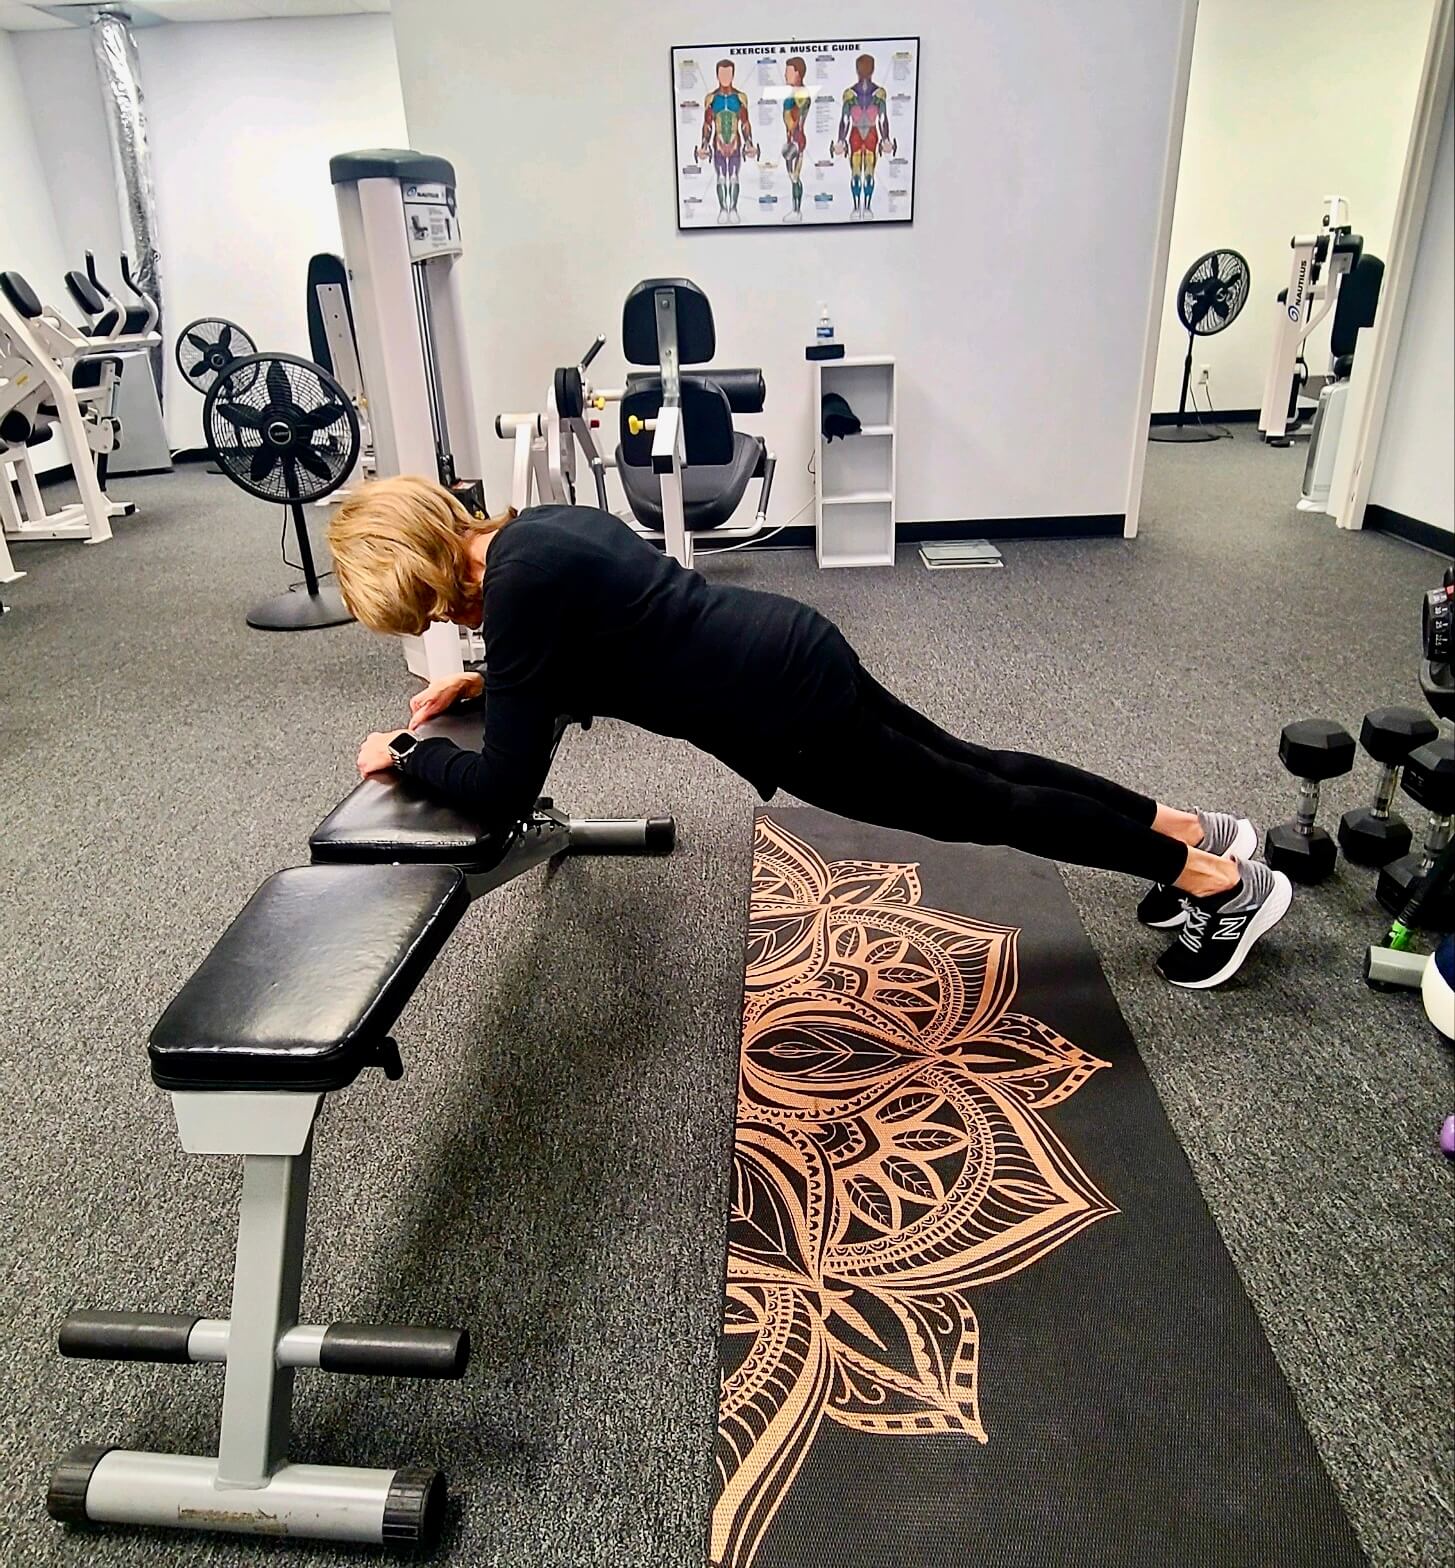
<point>442,694</point>
<point>375,755</point>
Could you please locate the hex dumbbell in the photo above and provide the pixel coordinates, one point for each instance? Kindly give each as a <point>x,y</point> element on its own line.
<point>1375,835</point>
<point>1429,780</point>
<point>1313,750</point>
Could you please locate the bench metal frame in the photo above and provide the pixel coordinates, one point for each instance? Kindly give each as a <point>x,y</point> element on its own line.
<point>251,1486</point>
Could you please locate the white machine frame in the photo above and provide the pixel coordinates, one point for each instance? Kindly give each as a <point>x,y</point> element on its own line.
<point>1317,266</point>
<point>401,243</point>
<point>138,404</point>
<point>38,359</point>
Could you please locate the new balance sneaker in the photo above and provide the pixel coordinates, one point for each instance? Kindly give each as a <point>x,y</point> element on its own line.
<point>1222,834</point>
<point>1219,932</point>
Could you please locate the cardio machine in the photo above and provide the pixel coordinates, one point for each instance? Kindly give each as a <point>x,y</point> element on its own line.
<point>1317,269</point>
<point>683,466</point>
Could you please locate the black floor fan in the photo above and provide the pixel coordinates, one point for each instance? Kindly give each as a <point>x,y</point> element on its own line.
<point>1209,298</point>
<point>284,430</point>
<point>207,346</point>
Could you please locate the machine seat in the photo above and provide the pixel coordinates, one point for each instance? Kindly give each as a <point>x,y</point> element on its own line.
<point>710,491</point>
<point>391,820</point>
<point>133,319</point>
<point>302,988</point>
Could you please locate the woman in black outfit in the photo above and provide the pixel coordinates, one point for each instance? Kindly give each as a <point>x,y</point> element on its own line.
<point>581,616</point>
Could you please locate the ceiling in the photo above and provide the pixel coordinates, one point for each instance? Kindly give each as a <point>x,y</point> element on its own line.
<point>23,16</point>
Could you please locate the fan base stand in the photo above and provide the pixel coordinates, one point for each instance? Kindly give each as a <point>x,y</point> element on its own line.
<point>301,611</point>
<point>1182,433</point>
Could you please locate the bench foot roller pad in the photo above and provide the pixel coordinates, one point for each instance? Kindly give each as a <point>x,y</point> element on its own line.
<point>400,1508</point>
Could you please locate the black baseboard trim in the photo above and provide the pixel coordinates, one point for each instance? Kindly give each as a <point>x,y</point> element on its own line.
<point>191,454</point>
<point>1385,520</point>
<point>1222,416</point>
<point>1108,525</point>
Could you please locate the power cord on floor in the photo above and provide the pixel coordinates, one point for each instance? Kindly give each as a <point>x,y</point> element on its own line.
<point>1224,434</point>
<point>297,566</point>
<point>743,544</point>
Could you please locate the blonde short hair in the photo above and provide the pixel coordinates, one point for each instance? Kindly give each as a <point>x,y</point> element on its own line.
<point>401,554</point>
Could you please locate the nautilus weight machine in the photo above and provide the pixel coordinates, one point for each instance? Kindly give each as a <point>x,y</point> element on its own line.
<point>52,373</point>
<point>1316,271</point>
<point>683,466</point>
<point>138,403</point>
<point>401,239</point>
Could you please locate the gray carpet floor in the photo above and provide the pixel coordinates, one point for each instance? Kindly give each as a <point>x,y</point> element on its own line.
<point>552,1169</point>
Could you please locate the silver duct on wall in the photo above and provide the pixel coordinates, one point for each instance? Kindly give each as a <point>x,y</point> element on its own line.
<point>119,74</point>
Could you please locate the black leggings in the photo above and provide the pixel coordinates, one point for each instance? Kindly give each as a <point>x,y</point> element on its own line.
<point>889,765</point>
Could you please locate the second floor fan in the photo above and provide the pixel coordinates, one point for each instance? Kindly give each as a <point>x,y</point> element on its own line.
<point>1212,292</point>
<point>284,430</point>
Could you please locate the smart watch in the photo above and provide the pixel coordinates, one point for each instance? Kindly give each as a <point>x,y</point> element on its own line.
<point>400,748</point>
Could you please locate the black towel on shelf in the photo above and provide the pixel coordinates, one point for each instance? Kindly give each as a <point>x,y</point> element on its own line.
<point>838,418</point>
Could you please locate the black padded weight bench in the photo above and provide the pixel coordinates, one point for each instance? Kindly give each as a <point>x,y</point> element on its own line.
<point>294,1002</point>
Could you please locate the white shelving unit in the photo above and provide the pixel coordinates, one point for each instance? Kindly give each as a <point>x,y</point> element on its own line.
<point>854,503</point>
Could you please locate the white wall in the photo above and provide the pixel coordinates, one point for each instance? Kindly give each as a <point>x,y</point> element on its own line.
<point>1016,303</point>
<point>1414,472</point>
<point>1288,103</point>
<point>60,91</point>
<point>244,117</point>
<point>30,242</point>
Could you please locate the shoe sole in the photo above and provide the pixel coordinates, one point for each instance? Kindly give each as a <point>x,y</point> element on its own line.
<point>1275,907</point>
<point>1245,841</point>
<point>1244,846</point>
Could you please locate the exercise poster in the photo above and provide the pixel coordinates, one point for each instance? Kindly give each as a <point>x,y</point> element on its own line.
<point>781,135</point>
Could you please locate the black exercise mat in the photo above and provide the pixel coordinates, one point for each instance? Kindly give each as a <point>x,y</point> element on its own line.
<point>977,1312</point>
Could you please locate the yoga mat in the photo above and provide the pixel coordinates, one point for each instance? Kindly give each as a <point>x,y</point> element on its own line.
<point>976,1310</point>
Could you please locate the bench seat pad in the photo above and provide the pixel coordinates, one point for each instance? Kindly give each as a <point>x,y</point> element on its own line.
<point>392,819</point>
<point>303,987</point>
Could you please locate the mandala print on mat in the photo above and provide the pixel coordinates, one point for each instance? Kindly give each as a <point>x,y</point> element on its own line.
<point>892,1155</point>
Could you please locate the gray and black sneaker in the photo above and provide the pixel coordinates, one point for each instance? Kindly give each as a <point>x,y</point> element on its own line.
<point>1219,932</point>
<point>1222,834</point>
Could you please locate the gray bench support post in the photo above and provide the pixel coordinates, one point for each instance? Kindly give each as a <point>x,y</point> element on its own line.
<point>257,1400</point>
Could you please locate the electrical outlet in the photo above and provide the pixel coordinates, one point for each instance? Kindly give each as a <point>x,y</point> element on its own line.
<point>1202,376</point>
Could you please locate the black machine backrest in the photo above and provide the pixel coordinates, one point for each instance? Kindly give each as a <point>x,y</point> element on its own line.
<point>20,294</point>
<point>326,268</point>
<point>85,293</point>
<point>1358,301</point>
<point>707,422</point>
<point>696,338</point>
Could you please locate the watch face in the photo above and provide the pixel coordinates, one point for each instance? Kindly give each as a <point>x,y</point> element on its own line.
<point>402,745</point>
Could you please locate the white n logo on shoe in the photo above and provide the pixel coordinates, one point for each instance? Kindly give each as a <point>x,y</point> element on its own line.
<point>1230,928</point>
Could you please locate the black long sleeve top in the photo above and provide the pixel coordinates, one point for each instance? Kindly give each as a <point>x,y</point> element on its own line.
<point>584,618</point>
